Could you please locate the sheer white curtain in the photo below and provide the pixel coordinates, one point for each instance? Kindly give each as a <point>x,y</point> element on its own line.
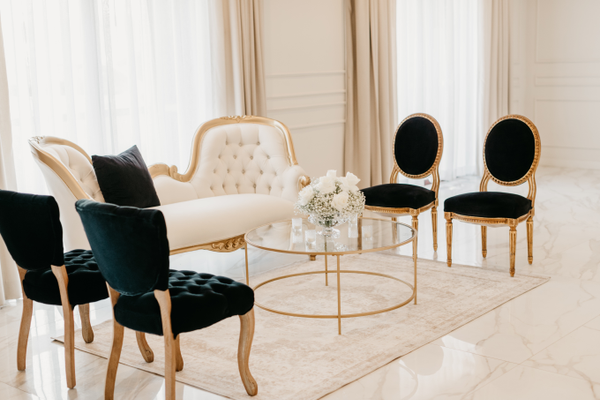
<point>440,66</point>
<point>109,74</point>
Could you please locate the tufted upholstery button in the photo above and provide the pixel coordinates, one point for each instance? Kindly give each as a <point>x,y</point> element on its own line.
<point>237,185</point>
<point>86,284</point>
<point>190,291</point>
<point>258,143</point>
<point>268,157</point>
<point>254,186</point>
<point>243,171</point>
<point>241,144</point>
<point>269,187</point>
<point>234,157</point>
<point>252,157</point>
<point>227,170</point>
<point>261,172</point>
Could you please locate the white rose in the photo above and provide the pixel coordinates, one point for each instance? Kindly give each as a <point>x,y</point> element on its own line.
<point>331,173</point>
<point>349,182</point>
<point>326,184</point>
<point>352,179</point>
<point>340,201</point>
<point>306,195</point>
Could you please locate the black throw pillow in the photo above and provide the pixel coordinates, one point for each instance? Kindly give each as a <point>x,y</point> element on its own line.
<point>125,180</point>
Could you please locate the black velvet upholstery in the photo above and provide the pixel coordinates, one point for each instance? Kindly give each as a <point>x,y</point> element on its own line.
<point>509,150</point>
<point>86,284</point>
<point>398,195</point>
<point>130,245</point>
<point>125,180</point>
<point>132,251</point>
<point>198,300</point>
<point>488,205</point>
<point>416,145</point>
<point>31,229</point>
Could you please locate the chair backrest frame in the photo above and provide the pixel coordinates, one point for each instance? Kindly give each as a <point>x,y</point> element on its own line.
<point>529,177</point>
<point>434,170</point>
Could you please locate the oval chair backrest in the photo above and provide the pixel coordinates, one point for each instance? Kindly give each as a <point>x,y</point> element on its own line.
<point>129,244</point>
<point>31,229</point>
<point>418,145</point>
<point>511,150</point>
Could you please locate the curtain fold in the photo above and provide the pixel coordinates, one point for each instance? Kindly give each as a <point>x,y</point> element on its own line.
<point>496,59</point>
<point>237,42</point>
<point>440,73</point>
<point>10,287</point>
<point>371,111</point>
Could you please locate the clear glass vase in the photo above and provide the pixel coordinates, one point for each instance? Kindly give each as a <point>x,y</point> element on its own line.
<point>327,223</point>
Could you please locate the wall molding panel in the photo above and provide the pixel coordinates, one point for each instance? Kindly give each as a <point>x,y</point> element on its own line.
<point>567,81</point>
<point>305,74</point>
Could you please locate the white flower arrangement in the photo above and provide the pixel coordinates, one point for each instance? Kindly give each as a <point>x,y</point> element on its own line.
<point>331,200</point>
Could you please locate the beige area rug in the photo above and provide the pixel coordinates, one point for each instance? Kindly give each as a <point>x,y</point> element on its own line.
<point>298,358</point>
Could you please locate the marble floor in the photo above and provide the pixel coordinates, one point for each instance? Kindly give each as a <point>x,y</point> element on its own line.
<point>544,344</point>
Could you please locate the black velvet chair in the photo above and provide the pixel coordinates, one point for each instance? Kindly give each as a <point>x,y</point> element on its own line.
<point>132,251</point>
<point>511,154</point>
<point>418,147</point>
<point>31,229</point>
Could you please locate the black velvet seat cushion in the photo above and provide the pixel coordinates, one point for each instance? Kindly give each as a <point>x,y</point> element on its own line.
<point>124,179</point>
<point>398,195</point>
<point>488,205</point>
<point>198,300</point>
<point>86,284</point>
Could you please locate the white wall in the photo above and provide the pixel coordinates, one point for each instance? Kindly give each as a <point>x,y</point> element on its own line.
<point>305,77</point>
<point>555,77</point>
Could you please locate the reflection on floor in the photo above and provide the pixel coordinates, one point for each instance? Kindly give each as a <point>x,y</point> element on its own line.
<point>542,345</point>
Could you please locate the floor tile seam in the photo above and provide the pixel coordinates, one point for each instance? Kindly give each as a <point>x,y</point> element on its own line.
<point>551,344</point>
<point>35,396</point>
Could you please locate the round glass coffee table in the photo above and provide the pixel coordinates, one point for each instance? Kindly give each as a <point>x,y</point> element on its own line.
<point>366,235</point>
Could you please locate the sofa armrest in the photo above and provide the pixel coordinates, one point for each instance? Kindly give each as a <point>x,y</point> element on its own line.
<point>294,180</point>
<point>169,185</point>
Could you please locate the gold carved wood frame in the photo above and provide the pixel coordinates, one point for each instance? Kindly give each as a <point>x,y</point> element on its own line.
<point>434,171</point>
<point>237,242</point>
<point>529,177</point>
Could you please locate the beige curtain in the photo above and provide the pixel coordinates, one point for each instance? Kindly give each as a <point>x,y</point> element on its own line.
<point>10,287</point>
<point>237,47</point>
<point>496,62</point>
<point>371,112</point>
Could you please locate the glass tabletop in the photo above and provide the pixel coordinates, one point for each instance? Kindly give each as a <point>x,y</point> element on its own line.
<point>366,235</point>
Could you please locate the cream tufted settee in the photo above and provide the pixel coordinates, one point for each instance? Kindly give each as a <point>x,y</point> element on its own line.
<point>243,173</point>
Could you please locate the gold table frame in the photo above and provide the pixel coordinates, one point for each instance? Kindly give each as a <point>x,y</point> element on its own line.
<point>339,271</point>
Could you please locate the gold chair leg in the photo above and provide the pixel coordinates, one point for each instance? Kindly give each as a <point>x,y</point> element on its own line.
<point>415,225</point>
<point>244,347</point>
<point>86,327</point>
<point>484,241</point>
<point>530,239</point>
<point>25,325</point>
<point>449,240</point>
<point>513,247</point>
<point>144,347</point>
<point>164,302</point>
<point>179,357</point>
<point>63,283</point>
<point>434,226</point>
<point>113,360</point>
<point>115,351</point>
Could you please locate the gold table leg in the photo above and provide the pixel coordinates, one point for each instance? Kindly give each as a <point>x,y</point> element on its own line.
<point>247,275</point>
<point>339,294</point>
<point>326,273</point>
